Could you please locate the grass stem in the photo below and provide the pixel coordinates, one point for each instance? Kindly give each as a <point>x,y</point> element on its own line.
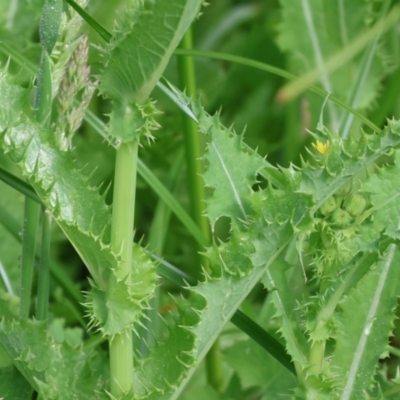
<point>31,220</point>
<point>44,271</point>
<point>194,151</point>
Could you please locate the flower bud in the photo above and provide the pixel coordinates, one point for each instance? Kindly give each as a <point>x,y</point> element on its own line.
<point>341,218</point>
<point>329,206</point>
<point>354,204</point>
<point>344,189</point>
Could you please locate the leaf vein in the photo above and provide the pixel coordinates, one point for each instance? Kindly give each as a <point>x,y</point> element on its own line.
<point>230,180</point>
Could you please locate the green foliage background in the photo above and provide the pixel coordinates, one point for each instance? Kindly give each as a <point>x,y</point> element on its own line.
<point>324,289</point>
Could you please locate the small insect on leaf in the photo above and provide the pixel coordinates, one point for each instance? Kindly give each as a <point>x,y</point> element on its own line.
<point>321,147</point>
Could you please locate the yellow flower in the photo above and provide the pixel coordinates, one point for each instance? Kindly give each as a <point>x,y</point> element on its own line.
<point>321,147</point>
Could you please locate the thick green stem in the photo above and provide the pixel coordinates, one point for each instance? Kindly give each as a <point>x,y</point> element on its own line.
<point>121,351</point>
<point>317,354</point>
<point>121,364</point>
<point>44,271</point>
<point>194,147</point>
<point>31,220</point>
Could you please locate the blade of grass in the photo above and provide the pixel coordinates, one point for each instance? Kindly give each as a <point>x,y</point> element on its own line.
<point>162,214</point>
<point>342,57</point>
<point>388,101</point>
<point>229,21</point>
<point>20,185</point>
<point>172,203</point>
<point>194,150</point>
<point>317,53</point>
<point>91,21</point>
<point>157,235</point>
<point>29,233</point>
<point>44,269</point>
<point>364,68</point>
<point>276,71</point>
<point>42,111</point>
<point>263,338</point>
<point>13,227</point>
<point>6,279</point>
<point>193,143</point>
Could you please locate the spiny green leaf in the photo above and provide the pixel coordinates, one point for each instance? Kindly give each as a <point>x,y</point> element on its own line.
<point>212,304</point>
<point>142,45</point>
<point>383,189</point>
<point>167,364</point>
<point>327,28</point>
<point>353,156</point>
<point>364,326</point>
<point>121,304</point>
<point>132,122</point>
<point>274,216</point>
<point>53,367</point>
<point>240,263</point>
<point>275,281</point>
<point>12,98</point>
<point>231,169</point>
<point>225,293</point>
<point>67,196</point>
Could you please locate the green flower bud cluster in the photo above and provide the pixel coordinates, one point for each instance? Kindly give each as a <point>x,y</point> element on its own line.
<point>343,207</point>
<point>354,204</point>
<point>332,245</point>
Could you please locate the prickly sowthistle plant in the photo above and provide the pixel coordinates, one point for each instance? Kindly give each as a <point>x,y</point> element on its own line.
<point>336,217</point>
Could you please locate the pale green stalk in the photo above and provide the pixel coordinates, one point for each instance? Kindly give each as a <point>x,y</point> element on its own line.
<point>194,147</point>
<point>317,355</point>
<point>121,349</point>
